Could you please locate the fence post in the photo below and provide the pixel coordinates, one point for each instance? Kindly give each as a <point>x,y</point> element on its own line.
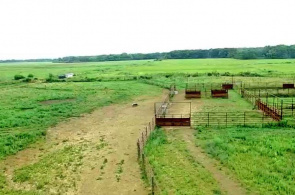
<point>244,119</point>
<point>143,162</point>
<point>142,139</point>
<point>262,118</point>
<point>281,109</point>
<point>226,119</point>
<point>292,107</point>
<point>153,186</point>
<point>208,119</point>
<point>138,149</point>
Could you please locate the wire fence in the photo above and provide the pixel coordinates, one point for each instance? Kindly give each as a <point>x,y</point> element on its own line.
<point>227,119</point>
<point>283,105</point>
<point>143,160</point>
<point>267,85</point>
<point>146,167</point>
<point>164,85</point>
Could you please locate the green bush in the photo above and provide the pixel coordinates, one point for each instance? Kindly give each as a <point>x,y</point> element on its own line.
<point>28,80</point>
<point>30,76</point>
<point>18,77</point>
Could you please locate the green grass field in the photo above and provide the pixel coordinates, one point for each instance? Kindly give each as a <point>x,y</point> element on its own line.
<point>148,67</point>
<point>176,170</point>
<point>260,158</point>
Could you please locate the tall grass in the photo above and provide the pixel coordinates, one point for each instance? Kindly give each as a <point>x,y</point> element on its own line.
<point>262,159</point>
<point>176,171</point>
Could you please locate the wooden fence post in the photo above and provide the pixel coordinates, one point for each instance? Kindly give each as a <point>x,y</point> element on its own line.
<point>292,106</point>
<point>142,139</point>
<point>153,186</point>
<point>281,109</point>
<point>138,149</point>
<point>143,162</point>
<point>244,119</point>
<point>208,119</point>
<point>226,119</point>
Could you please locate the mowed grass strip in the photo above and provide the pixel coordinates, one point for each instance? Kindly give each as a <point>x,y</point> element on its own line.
<point>262,159</point>
<point>176,170</point>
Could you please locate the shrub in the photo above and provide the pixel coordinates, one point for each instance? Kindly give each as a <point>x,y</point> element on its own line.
<point>30,76</point>
<point>226,74</point>
<point>27,80</point>
<point>249,74</point>
<point>18,77</point>
<point>50,78</point>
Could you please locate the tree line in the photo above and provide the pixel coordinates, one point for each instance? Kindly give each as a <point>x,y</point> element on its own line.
<point>267,52</point>
<point>27,60</point>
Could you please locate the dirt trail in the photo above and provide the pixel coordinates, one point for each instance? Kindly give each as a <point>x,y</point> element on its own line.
<point>110,163</point>
<point>227,183</point>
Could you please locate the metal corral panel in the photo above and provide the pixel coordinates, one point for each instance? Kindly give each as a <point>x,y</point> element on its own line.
<point>192,94</point>
<point>288,86</point>
<point>227,86</point>
<point>173,121</point>
<point>222,93</point>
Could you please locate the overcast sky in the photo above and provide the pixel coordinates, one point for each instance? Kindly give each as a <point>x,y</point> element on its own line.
<point>57,28</point>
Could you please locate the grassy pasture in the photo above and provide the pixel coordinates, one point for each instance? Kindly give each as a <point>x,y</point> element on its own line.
<point>176,170</point>
<point>27,110</point>
<point>262,159</point>
<point>148,67</point>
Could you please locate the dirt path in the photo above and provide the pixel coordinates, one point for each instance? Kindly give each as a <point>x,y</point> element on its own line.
<point>227,183</point>
<point>110,162</point>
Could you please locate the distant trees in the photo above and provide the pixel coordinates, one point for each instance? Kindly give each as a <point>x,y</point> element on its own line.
<point>246,54</point>
<point>268,52</point>
<point>28,60</point>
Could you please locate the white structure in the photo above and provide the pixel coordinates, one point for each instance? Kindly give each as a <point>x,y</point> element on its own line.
<point>69,75</point>
<point>65,76</point>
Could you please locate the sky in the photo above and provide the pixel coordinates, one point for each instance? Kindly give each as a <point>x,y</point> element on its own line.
<point>31,29</point>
